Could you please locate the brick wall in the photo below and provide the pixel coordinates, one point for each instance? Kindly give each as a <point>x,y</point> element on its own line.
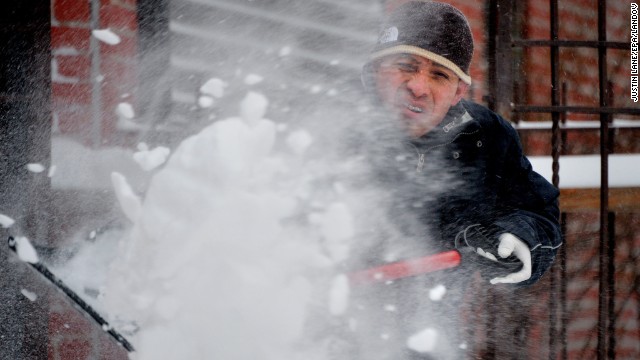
<point>579,70</point>
<point>73,79</point>
<point>72,335</point>
<point>578,66</point>
<point>582,292</point>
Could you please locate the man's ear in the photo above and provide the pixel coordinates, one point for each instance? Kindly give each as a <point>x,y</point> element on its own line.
<point>461,91</point>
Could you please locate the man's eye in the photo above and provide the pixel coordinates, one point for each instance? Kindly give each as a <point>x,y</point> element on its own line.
<point>440,75</point>
<point>406,67</point>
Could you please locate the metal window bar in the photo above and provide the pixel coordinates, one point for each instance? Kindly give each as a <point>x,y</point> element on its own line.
<point>96,86</point>
<point>555,154</point>
<point>502,10</point>
<point>564,314</point>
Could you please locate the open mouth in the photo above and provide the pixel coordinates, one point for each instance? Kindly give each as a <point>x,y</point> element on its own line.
<point>415,109</point>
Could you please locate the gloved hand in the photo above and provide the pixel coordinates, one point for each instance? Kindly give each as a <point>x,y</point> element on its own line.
<point>511,245</point>
<point>476,242</point>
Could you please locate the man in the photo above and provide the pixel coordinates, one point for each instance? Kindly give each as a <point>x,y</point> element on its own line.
<point>419,71</point>
<point>489,204</point>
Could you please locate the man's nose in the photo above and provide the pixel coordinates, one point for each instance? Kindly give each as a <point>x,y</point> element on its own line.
<point>419,85</point>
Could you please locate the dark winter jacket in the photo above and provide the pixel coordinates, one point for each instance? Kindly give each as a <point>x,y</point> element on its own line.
<point>470,173</point>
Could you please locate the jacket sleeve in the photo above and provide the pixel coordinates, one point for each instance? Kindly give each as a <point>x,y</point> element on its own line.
<point>529,206</point>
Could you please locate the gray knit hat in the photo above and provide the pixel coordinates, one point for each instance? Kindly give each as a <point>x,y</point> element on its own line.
<point>433,30</point>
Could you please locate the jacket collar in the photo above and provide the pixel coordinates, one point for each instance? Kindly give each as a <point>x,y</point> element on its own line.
<point>457,120</point>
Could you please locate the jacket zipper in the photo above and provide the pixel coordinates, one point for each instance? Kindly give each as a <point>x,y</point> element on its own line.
<point>420,163</point>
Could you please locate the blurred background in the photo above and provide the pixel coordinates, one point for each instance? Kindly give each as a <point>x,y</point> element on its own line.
<point>558,69</point>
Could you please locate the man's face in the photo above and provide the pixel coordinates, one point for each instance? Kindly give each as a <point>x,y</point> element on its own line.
<point>418,90</point>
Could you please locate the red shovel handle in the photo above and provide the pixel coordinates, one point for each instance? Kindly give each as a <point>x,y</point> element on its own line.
<point>402,269</point>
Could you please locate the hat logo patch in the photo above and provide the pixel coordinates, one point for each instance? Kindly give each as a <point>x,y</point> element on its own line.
<point>390,34</point>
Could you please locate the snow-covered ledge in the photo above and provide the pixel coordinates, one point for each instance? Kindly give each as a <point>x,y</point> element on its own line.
<point>79,167</point>
<point>583,171</point>
<point>576,124</point>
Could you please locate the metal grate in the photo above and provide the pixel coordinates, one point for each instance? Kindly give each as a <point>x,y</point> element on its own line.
<point>502,45</point>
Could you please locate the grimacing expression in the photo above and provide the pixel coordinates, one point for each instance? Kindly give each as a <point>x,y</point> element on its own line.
<point>418,90</point>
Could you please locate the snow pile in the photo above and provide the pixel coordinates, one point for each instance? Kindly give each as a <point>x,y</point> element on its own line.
<point>240,243</point>
<point>228,245</point>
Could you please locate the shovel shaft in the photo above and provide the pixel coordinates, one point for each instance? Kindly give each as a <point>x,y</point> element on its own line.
<point>403,269</point>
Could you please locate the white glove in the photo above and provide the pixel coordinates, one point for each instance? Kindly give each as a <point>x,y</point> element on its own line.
<point>510,244</point>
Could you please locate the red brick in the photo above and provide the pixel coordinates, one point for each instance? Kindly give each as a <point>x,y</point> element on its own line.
<point>584,138</point>
<point>584,319</point>
<point>74,66</point>
<point>118,18</point>
<point>52,349</point>
<point>537,145</point>
<point>118,73</point>
<point>68,323</point>
<point>127,4</point>
<point>575,27</point>
<point>537,26</point>
<point>579,344</point>
<point>580,353</point>
<point>109,118</point>
<point>113,95</point>
<point>72,10</point>
<point>75,121</point>
<point>109,123</point>
<point>541,89</point>
<point>582,336</point>
<point>110,350</point>
<point>539,9</point>
<point>472,10</point>
<point>76,38</point>
<point>77,349</point>
<point>627,353</point>
<point>71,93</point>
<point>127,48</point>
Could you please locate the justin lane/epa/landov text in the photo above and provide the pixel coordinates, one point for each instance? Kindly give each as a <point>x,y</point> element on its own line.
<point>634,52</point>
